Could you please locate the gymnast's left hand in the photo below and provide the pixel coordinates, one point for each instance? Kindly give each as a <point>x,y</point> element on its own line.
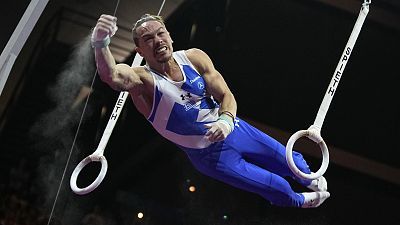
<point>218,130</point>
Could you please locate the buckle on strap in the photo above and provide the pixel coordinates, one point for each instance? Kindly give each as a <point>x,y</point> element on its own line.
<point>366,2</point>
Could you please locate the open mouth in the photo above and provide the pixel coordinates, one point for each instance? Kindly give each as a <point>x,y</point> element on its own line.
<point>161,49</point>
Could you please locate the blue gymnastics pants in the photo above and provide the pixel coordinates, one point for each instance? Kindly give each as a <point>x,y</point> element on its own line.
<point>253,161</point>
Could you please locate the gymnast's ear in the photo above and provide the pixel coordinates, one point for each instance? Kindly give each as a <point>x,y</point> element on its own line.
<point>138,50</point>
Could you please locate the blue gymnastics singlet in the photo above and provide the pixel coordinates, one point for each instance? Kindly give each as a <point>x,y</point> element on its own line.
<point>180,109</point>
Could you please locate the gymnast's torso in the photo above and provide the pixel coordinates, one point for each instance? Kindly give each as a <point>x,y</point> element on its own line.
<point>181,108</point>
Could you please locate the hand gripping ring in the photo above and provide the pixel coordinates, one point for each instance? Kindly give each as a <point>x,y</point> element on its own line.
<point>316,137</point>
<point>80,166</point>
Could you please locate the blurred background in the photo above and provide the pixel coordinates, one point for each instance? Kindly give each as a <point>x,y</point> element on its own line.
<point>278,58</point>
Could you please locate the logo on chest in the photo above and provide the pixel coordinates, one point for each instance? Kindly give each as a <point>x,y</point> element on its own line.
<point>186,96</point>
<point>197,81</point>
<point>188,102</point>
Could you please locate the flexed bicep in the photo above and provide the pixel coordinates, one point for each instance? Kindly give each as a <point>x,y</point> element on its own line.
<point>124,78</point>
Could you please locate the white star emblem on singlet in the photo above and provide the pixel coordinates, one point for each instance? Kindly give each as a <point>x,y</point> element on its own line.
<point>200,85</point>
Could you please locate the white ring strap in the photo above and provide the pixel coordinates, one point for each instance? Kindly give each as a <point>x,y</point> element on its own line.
<point>98,154</point>
<point>313,132</point>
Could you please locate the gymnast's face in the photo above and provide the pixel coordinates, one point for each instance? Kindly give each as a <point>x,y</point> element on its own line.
<point>154,42</point>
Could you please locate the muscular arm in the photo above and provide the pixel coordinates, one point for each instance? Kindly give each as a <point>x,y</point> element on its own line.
<point>105,65</point>
<point>216,84</point>
<point>121,76</point>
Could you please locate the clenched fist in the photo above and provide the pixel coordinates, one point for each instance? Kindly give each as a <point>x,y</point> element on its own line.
<point>105,28</point>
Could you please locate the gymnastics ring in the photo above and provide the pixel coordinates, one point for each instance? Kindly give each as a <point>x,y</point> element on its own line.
<point>98,154</point>
<point>313,132</point>
<point>314,135</point>
<point>95,183</point>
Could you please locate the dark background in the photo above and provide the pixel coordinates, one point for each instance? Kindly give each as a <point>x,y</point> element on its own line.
<point>277,57</point>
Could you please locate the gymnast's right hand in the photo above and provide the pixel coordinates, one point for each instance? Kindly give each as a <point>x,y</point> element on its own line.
<point>220,129</point>
<point>105,28</point>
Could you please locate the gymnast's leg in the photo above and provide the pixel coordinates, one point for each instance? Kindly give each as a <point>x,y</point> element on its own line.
<point>228,161</point>
<point>228,166</point>
<point>269,154</point>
